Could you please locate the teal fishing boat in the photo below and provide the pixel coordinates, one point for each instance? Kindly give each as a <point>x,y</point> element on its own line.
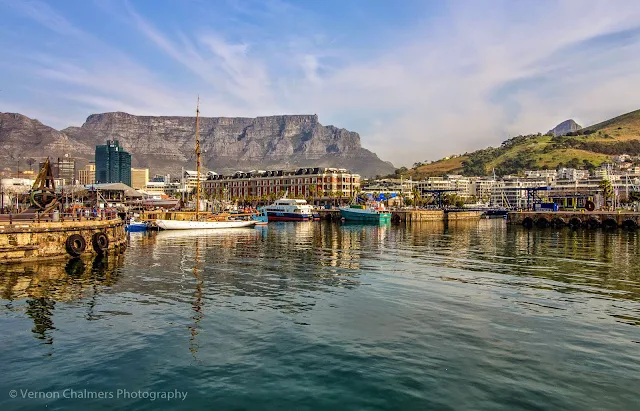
<point>363,213</point>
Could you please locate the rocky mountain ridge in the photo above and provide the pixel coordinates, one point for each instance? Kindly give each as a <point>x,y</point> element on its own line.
<point>564,128</point>
<point>164,144</point>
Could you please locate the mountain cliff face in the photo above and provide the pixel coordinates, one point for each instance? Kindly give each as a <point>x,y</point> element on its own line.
<point>565,127</point>
<point>164,144</point>
<point>22,137</point>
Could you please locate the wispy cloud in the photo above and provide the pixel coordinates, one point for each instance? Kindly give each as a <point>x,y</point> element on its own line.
<point>442,80</point>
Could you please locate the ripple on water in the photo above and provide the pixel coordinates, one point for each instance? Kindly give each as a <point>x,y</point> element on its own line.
<point>325,316</point>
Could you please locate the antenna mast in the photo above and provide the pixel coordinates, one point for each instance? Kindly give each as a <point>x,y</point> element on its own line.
<point>198,159</point>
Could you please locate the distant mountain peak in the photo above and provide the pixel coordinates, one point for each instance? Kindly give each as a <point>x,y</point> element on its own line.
<point>565,127</point>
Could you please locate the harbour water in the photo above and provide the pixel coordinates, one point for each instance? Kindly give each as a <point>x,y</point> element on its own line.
<point>469,316</point>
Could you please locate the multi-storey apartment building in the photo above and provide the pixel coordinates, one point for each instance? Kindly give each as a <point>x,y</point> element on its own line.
<point>457,184</point>
<point>317,182</point>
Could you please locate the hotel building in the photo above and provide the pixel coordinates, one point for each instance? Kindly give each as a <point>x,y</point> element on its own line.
<point>317,182</point>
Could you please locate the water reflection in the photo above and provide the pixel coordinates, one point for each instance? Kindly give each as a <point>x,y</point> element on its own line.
<point>197,303</point>
<point>43,285</point>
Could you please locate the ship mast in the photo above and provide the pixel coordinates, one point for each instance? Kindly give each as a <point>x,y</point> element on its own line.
<point>198,160</point>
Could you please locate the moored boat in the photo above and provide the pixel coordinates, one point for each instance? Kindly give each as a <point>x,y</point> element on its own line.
<point>200,225</point>
<point>135,225</point>
<point>290,209</point>
<point>363,213</point>
<point>201,222</point>
<point>261,217</point>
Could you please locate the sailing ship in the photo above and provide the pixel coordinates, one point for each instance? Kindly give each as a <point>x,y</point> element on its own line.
<point>200,223</point>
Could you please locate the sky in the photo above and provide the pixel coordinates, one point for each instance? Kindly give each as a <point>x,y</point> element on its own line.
<point>418,79</point>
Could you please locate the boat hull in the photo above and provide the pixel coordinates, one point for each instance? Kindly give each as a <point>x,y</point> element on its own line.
<point>282,216</point>
<point>351,214</point>
<point>202,225</point>
<point>132,228</point>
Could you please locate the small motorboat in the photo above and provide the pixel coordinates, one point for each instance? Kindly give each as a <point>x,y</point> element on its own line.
<point>135,225</point>
<point>261,217</point>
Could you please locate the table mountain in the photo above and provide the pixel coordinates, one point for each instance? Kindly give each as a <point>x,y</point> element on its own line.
<point>22,138</point>
<point>164,144</point>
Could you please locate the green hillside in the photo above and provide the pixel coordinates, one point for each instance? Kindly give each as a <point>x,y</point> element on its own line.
<point>586,148</point>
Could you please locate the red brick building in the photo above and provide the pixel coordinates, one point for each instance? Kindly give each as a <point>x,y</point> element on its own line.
<point>319,183</point>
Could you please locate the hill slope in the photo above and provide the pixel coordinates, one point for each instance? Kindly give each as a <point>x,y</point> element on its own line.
<point>583,148</point>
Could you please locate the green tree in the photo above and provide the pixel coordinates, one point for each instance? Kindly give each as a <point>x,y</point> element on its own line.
<point>607,190</point>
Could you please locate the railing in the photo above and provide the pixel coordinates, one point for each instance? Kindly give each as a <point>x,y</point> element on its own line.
<point>37,217</point>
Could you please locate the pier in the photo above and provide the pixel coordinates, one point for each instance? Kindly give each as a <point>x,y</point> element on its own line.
<point>575,219</point>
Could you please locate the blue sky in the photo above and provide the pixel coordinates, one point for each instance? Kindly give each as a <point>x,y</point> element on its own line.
<point>417,79</point>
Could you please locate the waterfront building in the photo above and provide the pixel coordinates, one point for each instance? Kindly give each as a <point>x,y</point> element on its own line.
<point>87,175</point>
<point>318,182</point>
<point>511,192</point>
<point>459,185</point>
<point>398,186</point>
<point>139,177</point>
<point>482,187</point>
<point>162,187</point>
<point>64,169</point>
<point>11,189</point>
<point>113,163</point>
<point>190,180</point>
<point>572,174</point>
<point>549,175</point>
<point>114,194</point>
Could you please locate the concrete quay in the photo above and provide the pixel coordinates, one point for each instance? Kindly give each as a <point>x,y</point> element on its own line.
<point>27,241</point>
<point>590,219</point>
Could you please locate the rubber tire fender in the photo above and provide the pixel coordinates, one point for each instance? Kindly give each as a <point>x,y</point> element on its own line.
<point>590,205</point>
<point>75,245</point>
<point>100,242</point>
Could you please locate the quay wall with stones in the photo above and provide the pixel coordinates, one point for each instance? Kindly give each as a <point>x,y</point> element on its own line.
<point>593,219</point>
<point>33,241</point>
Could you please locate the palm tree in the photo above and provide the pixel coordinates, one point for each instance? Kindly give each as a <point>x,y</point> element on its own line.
<point>417,200</point>
<point>607,190</point>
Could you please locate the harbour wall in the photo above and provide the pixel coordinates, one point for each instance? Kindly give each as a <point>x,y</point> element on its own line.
<point>26,241</point>
<point>590,219</point>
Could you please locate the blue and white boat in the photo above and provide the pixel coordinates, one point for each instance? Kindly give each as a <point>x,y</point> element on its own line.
<point>135,225</point>
<point>261,217</point>
<point>290,209</point>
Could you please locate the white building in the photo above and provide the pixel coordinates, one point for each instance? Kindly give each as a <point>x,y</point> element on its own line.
<point>11,188</point>
<point>511,191</point>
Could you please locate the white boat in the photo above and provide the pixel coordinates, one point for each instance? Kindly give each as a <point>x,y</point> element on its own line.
<point>199,225</point>
<point>290,209</point>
